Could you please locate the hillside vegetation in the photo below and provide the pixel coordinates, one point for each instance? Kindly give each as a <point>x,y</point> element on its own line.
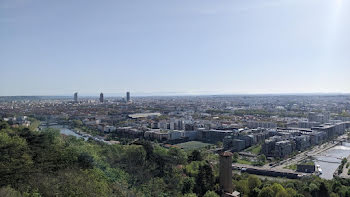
<point>45,163</point>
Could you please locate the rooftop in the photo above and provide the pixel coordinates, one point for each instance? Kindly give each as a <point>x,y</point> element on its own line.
<point>226,154</point>
<point>144,115</point>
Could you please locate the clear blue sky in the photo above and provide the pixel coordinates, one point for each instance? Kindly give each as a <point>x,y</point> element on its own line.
<point>182,46</point>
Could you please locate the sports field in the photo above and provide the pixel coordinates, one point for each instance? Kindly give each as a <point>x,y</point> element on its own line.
<point>191,145</point>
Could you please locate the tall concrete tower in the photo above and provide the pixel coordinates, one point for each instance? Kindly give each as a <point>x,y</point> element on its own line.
<point>76,97</point>
<point>226,172</point>
<point>101,97</point>
<point>127,96</point>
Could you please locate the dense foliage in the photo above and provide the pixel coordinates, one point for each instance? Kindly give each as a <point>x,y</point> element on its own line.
<point>252,186</point>
<point>45,163</point>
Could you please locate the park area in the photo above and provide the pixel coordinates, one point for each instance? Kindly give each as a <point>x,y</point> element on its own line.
<point>192,145</point>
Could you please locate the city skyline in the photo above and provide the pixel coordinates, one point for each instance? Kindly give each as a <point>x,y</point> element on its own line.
<point>166,48</point>
<point>179,94</point>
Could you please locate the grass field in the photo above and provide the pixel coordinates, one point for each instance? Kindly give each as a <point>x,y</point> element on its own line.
<point>254,149</point>
<point>291,167</point>
<point>243,161</point>
<point>192,145</point>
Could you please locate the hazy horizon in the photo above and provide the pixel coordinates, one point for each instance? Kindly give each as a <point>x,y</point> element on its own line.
<point>166,94</point>
<point>182,47</point>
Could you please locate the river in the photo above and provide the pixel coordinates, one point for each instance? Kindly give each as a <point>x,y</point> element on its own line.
<point>65,131</point>
<point>331,159</point>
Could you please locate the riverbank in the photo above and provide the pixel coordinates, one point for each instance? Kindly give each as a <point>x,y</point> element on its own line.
<point>330,160</point>
<point>67,130</point>
<point>345,170</point>
<point>326,155</point>
<point>314,151</point>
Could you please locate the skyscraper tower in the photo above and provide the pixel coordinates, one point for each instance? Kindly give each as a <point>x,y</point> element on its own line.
<point>101,97</point>
<point>127,96</point>
<point>226,173</point>
<point>76,97</point>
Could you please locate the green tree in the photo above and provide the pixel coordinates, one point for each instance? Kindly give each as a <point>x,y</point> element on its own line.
<point>242,186</point>
<point>15,159</point>
<point>148,148</point>
<point>283,193</point>
<point>291,192</point>
<point>116,175</point>
<point>235,157</point>
<point>253,182</point>
<point>4,125</point>
<point>155,187</point>
<point>219,144</point>
<point>266,192</point>
<point>177,156</point>
<point>255,192</point>
<point>204,179</point>
<point>77,123</point>
<point>188,185</point>
<point>323,190</point>
<point>334,195</point>
<point>276,188</point>
<point>192,169</point>
<point>86,160</point>
<point>210,194</point>
<point>84,183</point>
<point>195,156</point>
<point>190,195</point>
<point>262,158</point>
<point>344,161</point>
<point>34,124</point>
<point>49,150</point>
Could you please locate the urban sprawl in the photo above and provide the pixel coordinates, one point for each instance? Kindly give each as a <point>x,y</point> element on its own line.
<point>274,135</point>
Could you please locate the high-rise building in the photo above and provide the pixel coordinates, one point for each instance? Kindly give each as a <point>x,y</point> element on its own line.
<point>127,96</point>
<point>101,97</point>
<point>76,97</point>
